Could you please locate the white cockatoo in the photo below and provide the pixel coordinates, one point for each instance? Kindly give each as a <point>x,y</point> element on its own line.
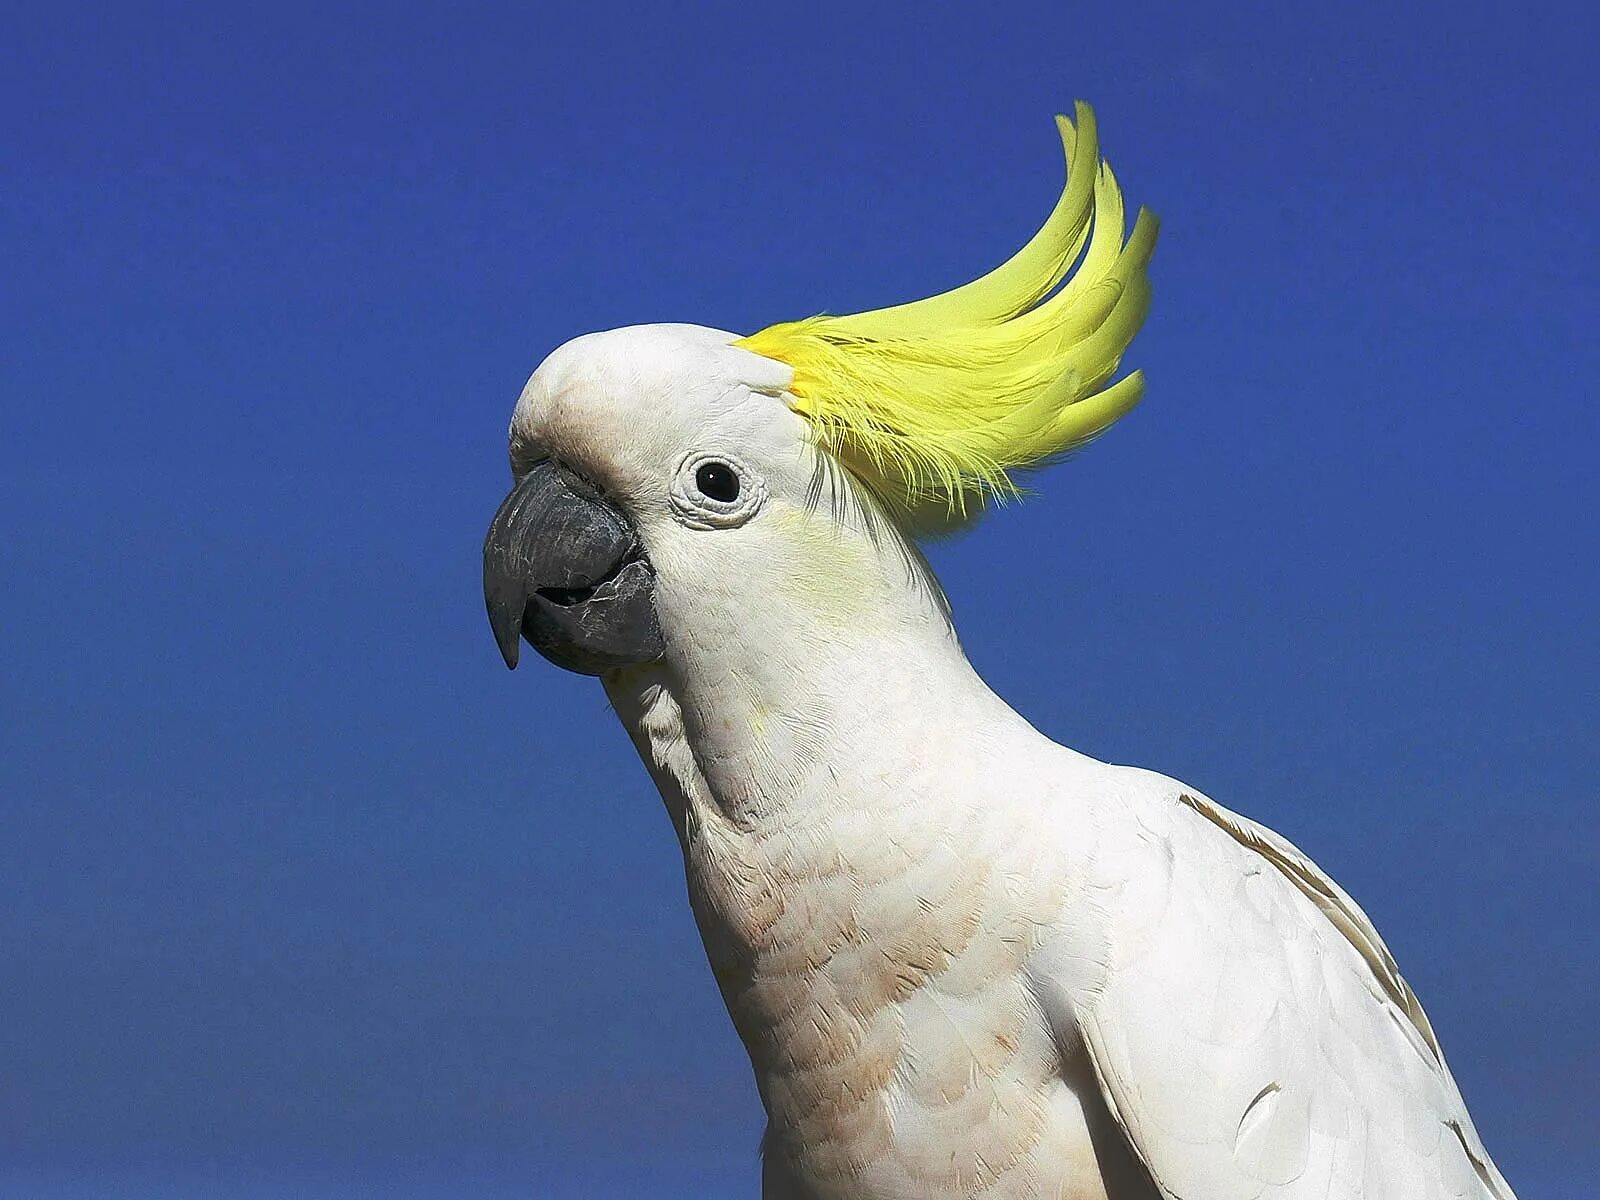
<point>965,961</point>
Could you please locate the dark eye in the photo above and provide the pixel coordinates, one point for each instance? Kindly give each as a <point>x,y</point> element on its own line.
<point>717,481</point>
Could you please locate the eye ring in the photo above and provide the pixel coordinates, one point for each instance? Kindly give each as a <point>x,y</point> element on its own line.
<point>716,491</point>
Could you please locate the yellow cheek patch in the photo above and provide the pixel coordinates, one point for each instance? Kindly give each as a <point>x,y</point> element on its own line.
<point>832,572</point>
<point>935,403</point>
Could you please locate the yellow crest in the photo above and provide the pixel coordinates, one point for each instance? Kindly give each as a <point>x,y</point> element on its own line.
<point>935,403</point>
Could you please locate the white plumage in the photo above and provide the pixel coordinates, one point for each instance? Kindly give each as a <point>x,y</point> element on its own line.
<point>966,962</point>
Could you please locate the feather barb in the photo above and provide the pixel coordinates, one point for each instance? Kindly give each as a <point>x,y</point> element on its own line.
<point>935,403</point>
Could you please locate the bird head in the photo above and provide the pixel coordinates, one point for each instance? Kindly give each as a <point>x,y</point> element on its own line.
<point>672,480</point>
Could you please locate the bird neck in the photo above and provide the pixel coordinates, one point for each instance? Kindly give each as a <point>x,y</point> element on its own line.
<point>820,756</point>
<point>769,712</point>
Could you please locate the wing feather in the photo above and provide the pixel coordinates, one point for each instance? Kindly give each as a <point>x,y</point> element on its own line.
<point>1250,1031</point>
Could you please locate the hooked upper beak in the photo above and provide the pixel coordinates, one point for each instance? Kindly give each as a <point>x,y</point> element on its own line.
<point>565,569</point>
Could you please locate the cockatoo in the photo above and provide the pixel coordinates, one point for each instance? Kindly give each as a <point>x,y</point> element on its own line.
<point>965,961</point>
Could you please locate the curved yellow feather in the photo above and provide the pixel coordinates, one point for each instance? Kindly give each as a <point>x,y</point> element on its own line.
<point>934,403</point>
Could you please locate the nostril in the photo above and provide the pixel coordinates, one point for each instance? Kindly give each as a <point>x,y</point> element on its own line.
<point>578,483</point>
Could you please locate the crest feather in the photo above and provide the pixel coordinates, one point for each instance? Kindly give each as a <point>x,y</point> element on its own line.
<point>935,403</point>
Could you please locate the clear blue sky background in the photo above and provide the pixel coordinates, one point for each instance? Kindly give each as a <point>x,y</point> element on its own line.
<point>302,894</point>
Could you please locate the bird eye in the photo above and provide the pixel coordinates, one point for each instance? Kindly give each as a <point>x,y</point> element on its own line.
<point>717,481</point>
<point>716,491</point>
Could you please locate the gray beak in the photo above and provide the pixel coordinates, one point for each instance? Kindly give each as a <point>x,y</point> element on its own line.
<point>565,569</point>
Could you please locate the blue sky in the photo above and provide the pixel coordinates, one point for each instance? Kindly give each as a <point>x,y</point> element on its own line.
<point>301,893</point>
